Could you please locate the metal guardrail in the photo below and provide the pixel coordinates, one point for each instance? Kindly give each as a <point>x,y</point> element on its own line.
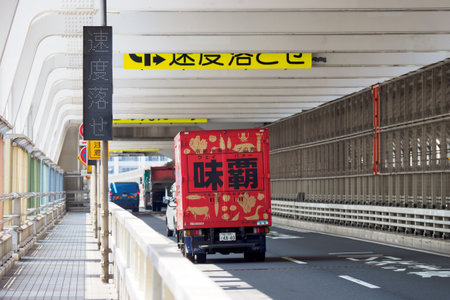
<point>428,222</point>
<point>21,229</point>
<point>16,197</point>
<point>147,265</point>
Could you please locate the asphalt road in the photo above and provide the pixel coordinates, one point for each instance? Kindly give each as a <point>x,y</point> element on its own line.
<point>309,265</point>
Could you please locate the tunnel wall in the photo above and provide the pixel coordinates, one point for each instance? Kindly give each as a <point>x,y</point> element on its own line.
<point>387,145</point>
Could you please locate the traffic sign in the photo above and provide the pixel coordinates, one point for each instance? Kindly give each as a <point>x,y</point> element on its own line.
<point>217,60</point>
<point>83,155</point>
<point>94,150</point>
<point>81,130</point>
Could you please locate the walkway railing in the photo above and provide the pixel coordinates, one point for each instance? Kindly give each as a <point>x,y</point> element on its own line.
<point>148,265</point>
<point>427,222</point>
<point>22,228</point>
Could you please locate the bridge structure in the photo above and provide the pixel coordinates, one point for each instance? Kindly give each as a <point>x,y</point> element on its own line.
<point>359,140</point>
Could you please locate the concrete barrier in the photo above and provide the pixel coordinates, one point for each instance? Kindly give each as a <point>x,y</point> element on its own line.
<point>147,265</point>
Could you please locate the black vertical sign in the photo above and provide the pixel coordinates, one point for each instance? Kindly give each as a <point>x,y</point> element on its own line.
<point>97,82</point>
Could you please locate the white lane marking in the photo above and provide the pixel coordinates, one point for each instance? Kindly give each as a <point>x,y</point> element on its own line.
<point>348,253</point>
<point>294,260</point>
<point>275,235</point>
<point>291,228</point>
<point>393,258</point>
<point>366,284</point>
<point>381,243</point>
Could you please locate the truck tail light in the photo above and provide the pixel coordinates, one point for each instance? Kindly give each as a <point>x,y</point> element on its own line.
<point>262,230</point>
<point>192,232</point>
<point>138,193</point>
<point>110,193</point>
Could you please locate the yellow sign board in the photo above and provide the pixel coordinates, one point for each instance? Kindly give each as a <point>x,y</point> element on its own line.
<point>184,61</point>
<point>142,121</point>
<point>94,150</point>
<point>135,150</point>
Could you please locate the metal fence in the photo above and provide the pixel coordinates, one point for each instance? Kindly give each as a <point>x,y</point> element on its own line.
<point>426,222</point>
<point>23,227</point>
<point>387,145</point>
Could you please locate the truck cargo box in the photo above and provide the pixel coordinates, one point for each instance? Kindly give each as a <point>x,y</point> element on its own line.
<point>222,178</point>
<point>156,181</point>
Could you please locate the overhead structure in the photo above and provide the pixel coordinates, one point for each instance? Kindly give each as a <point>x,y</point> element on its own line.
<point>354,44</point>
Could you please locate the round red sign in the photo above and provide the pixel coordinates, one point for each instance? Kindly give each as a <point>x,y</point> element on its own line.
<point>83,155</point>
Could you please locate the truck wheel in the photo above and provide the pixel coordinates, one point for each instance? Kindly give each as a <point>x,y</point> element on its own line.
<point>189,256</point>
<point>200,258</point>
<point>254,256</point>
<point>248,256</point>
<point>260,256</point>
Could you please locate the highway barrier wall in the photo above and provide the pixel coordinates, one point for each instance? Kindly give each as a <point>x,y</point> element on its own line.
<point>148,265</point>
<point>385,146</point>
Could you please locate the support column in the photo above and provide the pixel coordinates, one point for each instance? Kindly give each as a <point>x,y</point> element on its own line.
<point>105,212</point>
<point>94,200</point>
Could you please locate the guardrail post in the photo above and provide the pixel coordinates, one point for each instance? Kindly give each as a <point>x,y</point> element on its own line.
<point>156,284</point>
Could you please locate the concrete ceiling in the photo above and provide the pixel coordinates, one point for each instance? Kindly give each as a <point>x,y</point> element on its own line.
<point>363,42</point>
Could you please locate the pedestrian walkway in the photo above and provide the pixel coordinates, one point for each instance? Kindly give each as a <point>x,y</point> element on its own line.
<point>64,264</point>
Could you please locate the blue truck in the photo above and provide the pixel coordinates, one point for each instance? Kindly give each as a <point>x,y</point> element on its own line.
<point>125,194</point>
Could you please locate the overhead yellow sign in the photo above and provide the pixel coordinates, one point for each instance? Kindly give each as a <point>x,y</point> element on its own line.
<point>94,150</point>
<point>142,121</point>
<point>217,60</point>
<point>134,150</point>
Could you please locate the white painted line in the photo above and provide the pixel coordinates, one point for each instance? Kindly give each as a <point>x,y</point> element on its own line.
<point>294,260</point>
<point>393,258</point>
<point>366,284</point>
<point>292,228</point>
<point>349,253</point>
<point>381,243</point>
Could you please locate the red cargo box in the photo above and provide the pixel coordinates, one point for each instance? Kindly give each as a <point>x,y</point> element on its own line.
<point>162,174</point>
<point>222,178</point>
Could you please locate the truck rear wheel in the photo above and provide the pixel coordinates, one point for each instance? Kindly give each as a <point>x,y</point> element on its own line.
<point>254,256</point>
<point>200,258</point>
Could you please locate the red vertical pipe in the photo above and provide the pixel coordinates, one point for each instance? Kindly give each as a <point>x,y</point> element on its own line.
<point>376,128</point>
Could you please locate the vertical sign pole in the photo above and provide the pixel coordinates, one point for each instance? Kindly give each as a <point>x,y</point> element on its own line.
<point>104,193</point>
<point>94,195</point>
<point>105,212</point>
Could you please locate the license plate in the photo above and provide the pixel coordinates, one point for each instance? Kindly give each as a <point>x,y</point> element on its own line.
<point>227,236</point>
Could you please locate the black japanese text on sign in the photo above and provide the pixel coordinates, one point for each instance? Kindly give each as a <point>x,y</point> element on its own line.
<point>232,172</point>
<point>97,82</point>
<point>217,60</point>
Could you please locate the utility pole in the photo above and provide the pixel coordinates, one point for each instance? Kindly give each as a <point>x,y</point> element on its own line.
<point>104,187</point>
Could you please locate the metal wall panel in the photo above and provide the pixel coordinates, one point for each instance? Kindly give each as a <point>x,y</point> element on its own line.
<point>329,155</point>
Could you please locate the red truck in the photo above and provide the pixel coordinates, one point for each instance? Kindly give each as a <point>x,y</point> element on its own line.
<point>222,192</point>
<point>156,181</point>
